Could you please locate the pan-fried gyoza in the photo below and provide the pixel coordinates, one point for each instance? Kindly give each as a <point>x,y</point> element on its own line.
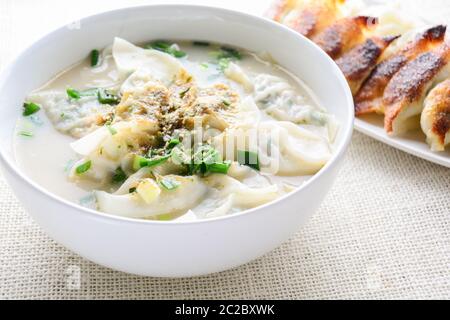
<point>435,119</point>
<point>369,97</point>
<point>308,17</point>
<point>358,63</point>
<point>344,34</point>
<point>405,94</point>
<point>388,73</point>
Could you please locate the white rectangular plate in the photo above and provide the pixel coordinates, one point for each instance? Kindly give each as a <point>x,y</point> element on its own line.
<point>413,143</point>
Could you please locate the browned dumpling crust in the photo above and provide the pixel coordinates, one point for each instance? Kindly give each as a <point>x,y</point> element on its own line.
<point>435,119</point>
<point>307,17</point>
<point>405,93</point>
<point>369,97</point>
<point>344,34</point>
<point>358,63</point>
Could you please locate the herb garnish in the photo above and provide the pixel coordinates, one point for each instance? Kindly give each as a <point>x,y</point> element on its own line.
<point>106,97</point>
<point>131,190</point>
<point>201,160</point>
<point>30,108</point>
<point>201,43</point>
<point>248,158</point>
<point>141,162</point>
<point>25,133</point>
<point>166,47</point>
<point>119,175</point>
<point>95,57</point>
<point>76,94</point>
<point>82,168</point>
<point>224,56</point>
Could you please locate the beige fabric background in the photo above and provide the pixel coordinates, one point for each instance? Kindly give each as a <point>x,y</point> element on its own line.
<point>382,232</point>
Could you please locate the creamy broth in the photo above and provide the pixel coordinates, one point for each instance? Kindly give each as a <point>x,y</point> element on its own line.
<point>44,151</point>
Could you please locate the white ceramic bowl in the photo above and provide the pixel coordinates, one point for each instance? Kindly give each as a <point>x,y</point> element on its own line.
<point>167,249</point>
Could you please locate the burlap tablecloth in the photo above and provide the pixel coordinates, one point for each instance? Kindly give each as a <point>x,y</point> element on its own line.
<point>382,232</point>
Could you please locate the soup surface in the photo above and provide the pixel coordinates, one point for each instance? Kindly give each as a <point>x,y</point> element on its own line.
<point>169,131</point>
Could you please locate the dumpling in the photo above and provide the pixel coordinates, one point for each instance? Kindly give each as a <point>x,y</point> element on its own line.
<point>369,97</point>
<point>279,8</point>
<point>277,98</point>
<point>282,147</point>
<point>344,34</point>
<point>435,119</point>
<point>235,73</point>
<point>390,22</point>
<point>357,63</point>
<point>405,93</point>
<point>150,200</point>
<point>148,64</point>
<point>111,147</point>
<point>227,193</point>
<point>310,17</point>
<point>72,117</point>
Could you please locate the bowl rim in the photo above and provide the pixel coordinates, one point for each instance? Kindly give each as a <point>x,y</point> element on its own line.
<point>347,126</point>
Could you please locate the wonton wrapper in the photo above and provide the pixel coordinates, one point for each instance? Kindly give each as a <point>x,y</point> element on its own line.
<point>147,64</point>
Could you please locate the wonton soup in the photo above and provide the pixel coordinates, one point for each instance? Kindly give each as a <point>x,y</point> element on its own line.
<point>173,131</point>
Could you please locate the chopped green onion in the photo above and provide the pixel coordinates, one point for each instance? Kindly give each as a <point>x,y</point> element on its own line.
<point>106,97</point>
<point>25,133</point>
<point>248,158</point>
<point>223,64</point>
<point>226,103</point>
<point>219,167</point>
<point>111,129</point>
<point>177,53</point>
<point>158,44</point>
<point>204,65</point>
<point>165,47</point>
<point>131,190</point>
<point>29,108</point>
<point>201,43</point>
<point>226,53</point>
<point>74,94</point>
<point>172,143</point>
<point>140,162</point>
<point>82,168</point>
<point>95,57</point>
<point>231,53</point>
<point>169,184</point>
<point>119,175</point>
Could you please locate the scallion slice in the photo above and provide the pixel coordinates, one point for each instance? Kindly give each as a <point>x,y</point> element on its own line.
<point>201,43</point>
<point>25,134</point>
<point>82,168</point>
<point>95,57</point>
<point>172,143</point>
<point>30,108</point>
<point>131,190</point>
<point>141,162</point>
<point>248,158</point>
<point>72,93</point>
<point>106,97</point>
<point>219,167</point>
<point>166,47</point>
<point>119,175</point>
